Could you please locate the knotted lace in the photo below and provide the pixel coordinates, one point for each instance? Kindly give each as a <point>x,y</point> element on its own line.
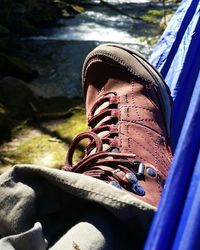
<point>103,159</point>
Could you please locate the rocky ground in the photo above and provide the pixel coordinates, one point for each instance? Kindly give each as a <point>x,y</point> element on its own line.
<point>43,142</point>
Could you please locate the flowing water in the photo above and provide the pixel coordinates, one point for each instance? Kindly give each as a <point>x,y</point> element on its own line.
<point>58,53</point>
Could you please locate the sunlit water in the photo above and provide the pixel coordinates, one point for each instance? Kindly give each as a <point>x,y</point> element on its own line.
<point>100,24</point>
<point>58,53</point>
<point>126,1</point>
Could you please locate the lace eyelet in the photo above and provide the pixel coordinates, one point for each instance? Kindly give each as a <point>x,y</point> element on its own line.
<point>138,189</point>
<point>115,150</point>
<point>151,172</point>
<point>131,178</point>
<point>138,168</point>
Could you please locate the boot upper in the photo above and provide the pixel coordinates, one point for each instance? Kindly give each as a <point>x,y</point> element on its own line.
<point>129,142</point>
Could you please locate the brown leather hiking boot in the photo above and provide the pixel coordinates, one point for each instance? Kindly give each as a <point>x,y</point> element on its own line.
<point>128,106</point>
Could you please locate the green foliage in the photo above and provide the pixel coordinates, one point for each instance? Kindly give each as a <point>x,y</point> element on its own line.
<point>155,16</point>
<point>45,144</point>
<point>158,13</point>
<point>77,8</point>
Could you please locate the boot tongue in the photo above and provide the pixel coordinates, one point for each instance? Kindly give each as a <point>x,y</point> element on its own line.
<point>102,77</point>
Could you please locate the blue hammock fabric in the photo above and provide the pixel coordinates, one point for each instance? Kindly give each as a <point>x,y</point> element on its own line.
<point>176,224</point>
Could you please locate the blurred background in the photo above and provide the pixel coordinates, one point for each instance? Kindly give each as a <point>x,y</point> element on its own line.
<point>42,48</point>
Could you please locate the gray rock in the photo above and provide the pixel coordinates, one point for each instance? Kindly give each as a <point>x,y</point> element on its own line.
<point>17,97</point>
<point>4,31</point>
<point>16,67</point>
<point>4,117</point>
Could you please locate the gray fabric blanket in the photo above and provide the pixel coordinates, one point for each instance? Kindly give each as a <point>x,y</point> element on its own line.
<point>43,208</point>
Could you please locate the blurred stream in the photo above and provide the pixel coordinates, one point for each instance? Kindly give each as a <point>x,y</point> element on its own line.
<point>58,53</point>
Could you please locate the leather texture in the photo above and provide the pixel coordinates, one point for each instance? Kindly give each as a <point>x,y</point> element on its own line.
<point>129,141</point>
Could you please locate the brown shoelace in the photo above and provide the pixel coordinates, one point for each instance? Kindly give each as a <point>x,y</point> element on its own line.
<point>119,169</point>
